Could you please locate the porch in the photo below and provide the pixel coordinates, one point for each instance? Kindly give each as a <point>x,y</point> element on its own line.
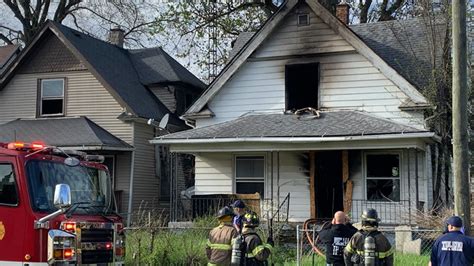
<point>333,161</point>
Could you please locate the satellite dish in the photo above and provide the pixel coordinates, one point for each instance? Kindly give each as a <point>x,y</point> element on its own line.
<point>164,121</point>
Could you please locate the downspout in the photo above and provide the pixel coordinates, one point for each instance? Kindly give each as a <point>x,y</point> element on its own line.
<point>132,170</point>
<point>278,180</point>
<point>417,196</point>
<point>409,189</point>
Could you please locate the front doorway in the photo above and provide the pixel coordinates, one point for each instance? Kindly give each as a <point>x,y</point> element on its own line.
<point>328,186</point>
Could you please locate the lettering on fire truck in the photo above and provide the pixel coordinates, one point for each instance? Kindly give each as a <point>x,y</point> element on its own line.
<point>2,230</point>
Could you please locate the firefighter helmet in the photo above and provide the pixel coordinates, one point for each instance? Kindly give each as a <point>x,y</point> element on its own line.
<point>250,219</point>
<point>226,211</point>
<point>370,217</point>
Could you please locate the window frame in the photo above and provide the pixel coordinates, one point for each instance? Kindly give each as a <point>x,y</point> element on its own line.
<point>400,170</point>
<point>298,15</point>
<point>16,185</point>
<point>39,108</point>
<point>264,178</point>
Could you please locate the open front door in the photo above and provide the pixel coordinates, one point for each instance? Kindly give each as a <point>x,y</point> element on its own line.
<point>328,183</point>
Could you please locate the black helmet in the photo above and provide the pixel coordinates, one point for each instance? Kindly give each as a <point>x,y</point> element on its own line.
<point>226,211</point>
<point>370,217</point>
<point>250,219</point>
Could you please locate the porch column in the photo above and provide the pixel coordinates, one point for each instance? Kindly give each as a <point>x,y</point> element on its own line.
<point>312,176</point>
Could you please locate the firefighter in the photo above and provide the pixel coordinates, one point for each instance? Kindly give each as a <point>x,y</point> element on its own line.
<point>453,248</point>
<point>369,246</point>
<point>221,238</point>
<point>336,237</point>
<point>256,252</point>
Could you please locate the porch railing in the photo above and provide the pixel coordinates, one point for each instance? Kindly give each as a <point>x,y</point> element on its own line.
<point>390,213</point>
<point>189,209</point>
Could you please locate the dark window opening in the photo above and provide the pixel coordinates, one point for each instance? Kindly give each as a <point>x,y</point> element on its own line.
<point>302,81</point>
<point>51,107</point>
<point>8,193</point>
<point>383,177</point>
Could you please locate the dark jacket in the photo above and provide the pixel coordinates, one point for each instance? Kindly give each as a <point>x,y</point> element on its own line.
<point>257,252</point>
<point>335,239</point>
<point>219,244</point>
<point>384,251</point>
<point>453,248</point>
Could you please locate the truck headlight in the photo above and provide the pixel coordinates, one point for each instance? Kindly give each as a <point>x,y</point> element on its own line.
<point>61,246</point>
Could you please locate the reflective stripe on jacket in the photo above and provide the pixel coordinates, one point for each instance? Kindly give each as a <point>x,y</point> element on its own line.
<point>219,244</point>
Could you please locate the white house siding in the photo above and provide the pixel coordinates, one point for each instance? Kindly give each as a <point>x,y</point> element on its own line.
<point>145,182</point>
<point>347,82</point>
<point>214,173</point>
<point>85,96</point>
<point>293,179</point>
<point>291,39</point>
<point>391,212</point>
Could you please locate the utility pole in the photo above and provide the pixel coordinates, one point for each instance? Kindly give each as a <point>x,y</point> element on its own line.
<point>462,195</point>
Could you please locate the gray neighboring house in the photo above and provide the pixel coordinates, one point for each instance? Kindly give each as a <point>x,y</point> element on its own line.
<point>74,91</point>
<point>363,144</point>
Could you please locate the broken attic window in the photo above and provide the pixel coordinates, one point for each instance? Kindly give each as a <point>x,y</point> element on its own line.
<point>383,177</point>
<point>301,86</point>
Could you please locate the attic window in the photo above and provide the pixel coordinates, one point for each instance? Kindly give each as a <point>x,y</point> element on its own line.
<point>51,97</point>
<point>301,86</point>
<point>303,19</point>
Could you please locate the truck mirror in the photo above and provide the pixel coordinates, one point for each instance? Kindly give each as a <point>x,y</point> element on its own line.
<point>62,196</point>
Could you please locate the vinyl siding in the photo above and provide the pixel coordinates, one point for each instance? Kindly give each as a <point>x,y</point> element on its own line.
<point>145,182</point>
<point>85,96</point>
<point>347,82</point>
<point>166,95</point>
<point>293,180</point>
<point>214,173</point>
<point>291,39</point>
<point>122,178</point>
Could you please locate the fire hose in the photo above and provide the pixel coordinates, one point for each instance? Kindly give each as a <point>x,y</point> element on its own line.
<point>306,227</point>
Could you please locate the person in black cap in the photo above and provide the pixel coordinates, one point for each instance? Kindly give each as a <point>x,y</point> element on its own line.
<point>239,211</point>
<point>453,248</point>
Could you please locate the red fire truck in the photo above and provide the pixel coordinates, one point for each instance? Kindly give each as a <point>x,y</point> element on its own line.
<point>56,207</point>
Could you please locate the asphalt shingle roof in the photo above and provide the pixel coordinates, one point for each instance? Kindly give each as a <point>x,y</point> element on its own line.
<point>406,45</point>
<point>155,66</point>
<point>329,124</point>
<point>63,132</point>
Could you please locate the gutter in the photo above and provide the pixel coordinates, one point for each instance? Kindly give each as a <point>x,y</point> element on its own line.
<point>97,148</point>
<point>162,140</point>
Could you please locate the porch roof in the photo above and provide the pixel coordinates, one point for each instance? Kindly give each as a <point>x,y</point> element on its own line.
<point>337,126</point>
<point>78,133</point>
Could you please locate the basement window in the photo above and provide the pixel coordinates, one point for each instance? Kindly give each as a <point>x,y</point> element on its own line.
<point>250,175</point>
<point>383,177</point>
<point>301,86</point>
<point>51,97</point>
<point>303,19</point>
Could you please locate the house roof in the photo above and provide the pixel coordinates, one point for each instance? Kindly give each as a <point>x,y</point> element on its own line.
<point>329,124</point>
<point>78,132</point>
<point>272,23</point>
<point>125,73</point>
<point>7,53</point>
<point>406,45</point>
<point>155,66</point>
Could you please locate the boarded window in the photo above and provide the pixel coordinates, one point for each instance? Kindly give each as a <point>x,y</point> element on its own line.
<point>8,192</point>
<point>302,81</point>
<point>383,177</point>
<point>51,101</point>
<point>250,174</point>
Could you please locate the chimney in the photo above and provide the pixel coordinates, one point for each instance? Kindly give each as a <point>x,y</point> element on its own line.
<point>342,12</point>
<point>117,36</point>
